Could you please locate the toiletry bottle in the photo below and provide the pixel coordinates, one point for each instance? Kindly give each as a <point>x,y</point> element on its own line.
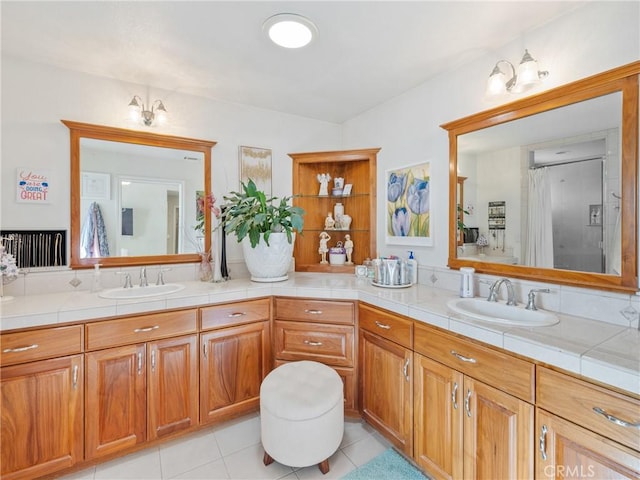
<point>412,267</point>
<point>466,282</point>
<point>96,285</point>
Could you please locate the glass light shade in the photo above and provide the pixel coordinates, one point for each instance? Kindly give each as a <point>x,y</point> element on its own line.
<point>290,30</point>
<point>496,85</point>
<point>161,116</point>
<point>528,74</point>
<point>134,112</point>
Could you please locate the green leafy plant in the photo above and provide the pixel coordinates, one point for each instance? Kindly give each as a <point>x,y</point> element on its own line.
<point>461,225</point>
<point>250,213</point>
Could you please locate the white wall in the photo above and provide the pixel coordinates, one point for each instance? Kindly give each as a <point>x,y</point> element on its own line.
<point>36,97</point>
<point>591,39</point>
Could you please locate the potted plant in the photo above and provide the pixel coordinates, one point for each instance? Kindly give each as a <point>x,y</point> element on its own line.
<point>265,227</point>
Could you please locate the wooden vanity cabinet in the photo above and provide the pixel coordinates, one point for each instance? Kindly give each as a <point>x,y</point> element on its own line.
<point>477,403</point>
<point>321,331</point>
<point>142,380</point>
<point>386,374</point>
<point>576,441</point>
<point>41,401</point>
<point>235,356</point>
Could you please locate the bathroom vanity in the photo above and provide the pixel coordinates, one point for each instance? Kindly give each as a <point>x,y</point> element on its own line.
<point>124,375</point>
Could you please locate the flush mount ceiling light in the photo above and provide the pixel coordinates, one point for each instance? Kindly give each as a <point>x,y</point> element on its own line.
<point>139,112</point>
<point>527,77</point>
<point>290,30</point>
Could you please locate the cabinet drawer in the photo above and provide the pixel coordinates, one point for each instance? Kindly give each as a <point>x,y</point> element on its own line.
<point>236,313</point>
<point>387,325</point>
<point>141,328</point>
<point>330,344</point>
<point>23,347</point>
<point>574,400</point>
<point>318,311</point>
<point>501,370</point>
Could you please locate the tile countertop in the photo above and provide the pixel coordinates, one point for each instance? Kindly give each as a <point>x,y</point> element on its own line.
<point>604,352</point>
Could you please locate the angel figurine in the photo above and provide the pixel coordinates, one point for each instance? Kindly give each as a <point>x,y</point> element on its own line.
<point>324,179</point>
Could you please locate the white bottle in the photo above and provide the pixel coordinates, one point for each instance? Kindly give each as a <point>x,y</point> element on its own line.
<point>466,282</point>
<point>412,269</point>
<point>96,285</point>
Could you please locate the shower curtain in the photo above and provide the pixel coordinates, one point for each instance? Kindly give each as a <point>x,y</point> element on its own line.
<point>539,250</point>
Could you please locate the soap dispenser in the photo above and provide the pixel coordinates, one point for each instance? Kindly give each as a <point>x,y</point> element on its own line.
<point>412,269</point>
<point>96,285</point>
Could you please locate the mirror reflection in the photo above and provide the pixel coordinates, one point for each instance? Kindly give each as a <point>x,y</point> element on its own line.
<point>135,197</point>
<point>138,200</point>
<point>544,191</point>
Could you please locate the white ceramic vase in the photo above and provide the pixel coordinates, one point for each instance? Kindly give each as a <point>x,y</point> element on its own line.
<point>268,263</point>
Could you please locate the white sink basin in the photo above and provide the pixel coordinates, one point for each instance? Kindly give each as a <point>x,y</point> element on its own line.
<point>141,292</point>
<point>496,312</point>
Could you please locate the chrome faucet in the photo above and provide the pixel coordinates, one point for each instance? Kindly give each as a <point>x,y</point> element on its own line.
<point>531,297</point>
<point>127,281</point>
<point>143,277</point>
<point>495,288</point>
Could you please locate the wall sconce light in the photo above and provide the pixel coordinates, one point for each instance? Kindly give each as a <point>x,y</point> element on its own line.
<point>138,111</point>
<point>528,76</point>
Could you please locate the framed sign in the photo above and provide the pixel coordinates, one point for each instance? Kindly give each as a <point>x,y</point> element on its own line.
<point>408,218</point>
<point>95,185</point>
<point>32,186</point>
<point>255,164</point>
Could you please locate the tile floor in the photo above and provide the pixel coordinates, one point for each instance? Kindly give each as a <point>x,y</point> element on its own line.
<point>233,451</point>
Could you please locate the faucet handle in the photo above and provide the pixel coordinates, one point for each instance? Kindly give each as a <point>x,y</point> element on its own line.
<point>531,297</point>
<point>160,280</point>
<point>127,280</point>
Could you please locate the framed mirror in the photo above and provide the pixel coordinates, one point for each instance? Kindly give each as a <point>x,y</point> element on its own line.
<point>551,185</point>
<point>134,197</point>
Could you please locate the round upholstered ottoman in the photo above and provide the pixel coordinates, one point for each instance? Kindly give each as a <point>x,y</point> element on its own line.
<point>301,414</point>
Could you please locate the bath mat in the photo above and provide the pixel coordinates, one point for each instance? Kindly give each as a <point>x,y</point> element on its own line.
<point>387,466</point>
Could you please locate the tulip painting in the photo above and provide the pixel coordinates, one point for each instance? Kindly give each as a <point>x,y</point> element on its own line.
<point>408,205</point>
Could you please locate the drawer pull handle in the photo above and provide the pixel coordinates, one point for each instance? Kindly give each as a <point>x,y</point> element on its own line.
<point>139,363</point>
<point>405,370</point>
<point>20,349</point>
<point>454,395</point>
<point>146,329</point>
<point>236,315</point>
<point>75,377</point>
<point>462,357</point>
<point>204,349</point>
<point>313,312</point>
<point>616,420</point>
<point>382,325</point>
<point>312,343</point>
<point>466,403</point>
<point>153,360</point>
<point>543,442</point>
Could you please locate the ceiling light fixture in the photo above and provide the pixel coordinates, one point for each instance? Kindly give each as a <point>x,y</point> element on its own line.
<point>527,77</point>
<point>138,111</point>
<point>290,30</point>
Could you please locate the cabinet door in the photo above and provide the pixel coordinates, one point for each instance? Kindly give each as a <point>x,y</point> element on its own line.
<point>173,385</point>
<point>233,363</point>
<point>438,410</point>
<point>386,389</point>
<point>115,412</point>
<point>566,450</point>
<point>41,417</point>
<point>498,433</point>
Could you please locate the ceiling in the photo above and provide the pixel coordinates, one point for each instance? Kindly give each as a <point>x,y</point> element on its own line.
<point>366,53</point>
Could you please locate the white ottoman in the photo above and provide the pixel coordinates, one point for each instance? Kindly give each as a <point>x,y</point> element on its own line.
<point>301,414</point>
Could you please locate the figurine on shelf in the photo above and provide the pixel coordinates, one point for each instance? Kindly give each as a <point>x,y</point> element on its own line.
<point>329,222</point>
<point>348,245</point>
<point>324,246</point>
<point>324,179</point>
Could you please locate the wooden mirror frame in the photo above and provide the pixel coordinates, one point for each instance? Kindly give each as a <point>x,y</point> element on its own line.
<point>84,130</point>
<point>622,79</point>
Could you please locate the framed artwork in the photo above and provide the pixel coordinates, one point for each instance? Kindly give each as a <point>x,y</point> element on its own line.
<point>408,212</point>
<point>255,164</point>
<point>32,186</point>
<point>95,185</point>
